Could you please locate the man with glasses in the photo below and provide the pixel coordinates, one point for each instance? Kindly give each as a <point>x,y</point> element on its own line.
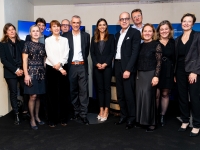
<point>137,18</point>
<point>79,44</point>
<point>65,26</point>
<point>127,49</point>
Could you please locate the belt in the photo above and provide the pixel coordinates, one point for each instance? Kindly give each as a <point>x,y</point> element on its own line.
<point>118,60</point>
<point>77,62</point>
<point>164,58</point>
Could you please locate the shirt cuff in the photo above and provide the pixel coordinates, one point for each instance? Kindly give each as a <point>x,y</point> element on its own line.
<point>17,70</point>
<point>60,68</point>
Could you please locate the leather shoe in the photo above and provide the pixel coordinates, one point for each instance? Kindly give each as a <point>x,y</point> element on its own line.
<point>183,129</point>
<point>40,123</point>
<point>121,121</point>
<point>129,125</point>
<point>193,134</point>
<point>76,117</point>
<point>17,121</point>
<point>34,127</point>
<point>85,121</point>
<point>150,129</point>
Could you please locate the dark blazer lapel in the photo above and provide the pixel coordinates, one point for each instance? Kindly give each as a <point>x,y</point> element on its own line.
<point>127,35</point>
<point>71,43</point>
<point>8,50</point>
<point>82,44</point>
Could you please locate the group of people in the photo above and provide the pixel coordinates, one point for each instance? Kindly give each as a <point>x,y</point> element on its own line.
<point>146,63</point>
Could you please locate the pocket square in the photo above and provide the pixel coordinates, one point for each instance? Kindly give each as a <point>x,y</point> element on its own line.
<point>127,38</point>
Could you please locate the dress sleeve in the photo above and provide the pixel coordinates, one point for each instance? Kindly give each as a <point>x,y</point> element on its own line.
<point>158,55</point>
<point>25,49</point>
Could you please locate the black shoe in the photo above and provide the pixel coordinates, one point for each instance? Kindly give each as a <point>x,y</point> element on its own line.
<point>34,127</point>
<point>193,134</point>
<point>129,125</point>
<point>40,123</point>
<point>183,129</point>
<point>26,116</point>
<point>162,120</point>
<point>76,117</point>
<point>63,122</point>
<point>149,129</point>
<point>137,125</point>
<point>17,120</point>
<point>121,121</point>
<point>85,121</point>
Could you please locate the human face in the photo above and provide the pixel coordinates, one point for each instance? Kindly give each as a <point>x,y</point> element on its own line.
<point>65,26</point>
<point>35,33</point>
<point>55,29</point>
<point>102,26</point>
<point>137,18</point>
<point>76,23</point>
<point>147,34</point>
<point>187,23</point>
<point>41,26</point>
<point>11,32</point>
<point>164,31</point>
<point>124,20</point>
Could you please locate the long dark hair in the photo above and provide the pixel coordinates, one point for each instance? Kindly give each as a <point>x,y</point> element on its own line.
<point>5,29</point>
<point>97,32</point>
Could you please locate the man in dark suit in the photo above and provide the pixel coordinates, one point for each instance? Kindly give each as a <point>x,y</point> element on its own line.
<point>41,23</point>
<point>127,49</point>
<point>79,43</point>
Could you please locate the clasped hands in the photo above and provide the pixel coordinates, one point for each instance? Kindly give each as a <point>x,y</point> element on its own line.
<point>57,67</point>
<point>101,66</point>
<point>19,72</point>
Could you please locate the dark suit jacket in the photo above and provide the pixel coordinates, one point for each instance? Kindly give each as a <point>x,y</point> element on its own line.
<point>9,65</point>
<point>192,59</point>
<point>85,45</point>
<point>129,49</point>
<point>108,52</point>
<point>28,37</point>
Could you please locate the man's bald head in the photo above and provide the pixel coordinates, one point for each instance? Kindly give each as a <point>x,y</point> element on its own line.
<point>123,14</point>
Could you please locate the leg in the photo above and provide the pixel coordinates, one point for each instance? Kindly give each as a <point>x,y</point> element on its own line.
<point>164,101</point>
<point>31,106</point>
<point>157,98</point>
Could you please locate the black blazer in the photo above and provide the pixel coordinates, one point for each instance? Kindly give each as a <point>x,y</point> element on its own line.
<point>108,52</point>
<point>192,59</point>
<point>28,38</point>
<point>85,45</point>
<point>129,49</point>
<point>9,65</point>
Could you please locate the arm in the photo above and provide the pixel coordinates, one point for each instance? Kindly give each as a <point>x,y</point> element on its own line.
<point>27,78</point>
<point>112,50</point>
<point>48,49</point>
<point>87,46</point>
<point>92,49</point>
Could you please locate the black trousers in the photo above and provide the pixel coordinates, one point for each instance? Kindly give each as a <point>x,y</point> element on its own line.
<point>12,86</point>
<point>103,80</point>
<point>79,89</point>
<point>186,90</point>
<point>56,94</point>
<point>125,93</point>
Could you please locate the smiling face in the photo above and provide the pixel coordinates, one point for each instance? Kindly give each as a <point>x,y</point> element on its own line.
<point>11,32</point>
<point>35,32</point>
<point>41,26</point>
<point>137,18</point>
<point>124,20</point>
<point>55,29</point>
<point>187,23</point>
<point>147,34</point>
<point>102,26</point>
<point>76,23</point>
<point>164,31</point>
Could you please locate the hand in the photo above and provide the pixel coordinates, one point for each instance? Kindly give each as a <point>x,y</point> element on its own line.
<point>99,66</point>
<point>192,78</point>
<point>175,79</point>
<point>27,79</point>
<point>19,72</point>
<point>154,81</point>
<point>103,66</point>
<point>126,74</point>
<point>63,72</point>
<point>57,66</point>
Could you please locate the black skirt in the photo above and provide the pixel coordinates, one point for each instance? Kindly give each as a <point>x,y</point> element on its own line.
<point>145,98</point>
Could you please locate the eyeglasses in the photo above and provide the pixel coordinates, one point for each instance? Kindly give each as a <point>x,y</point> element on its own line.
<point>65,25</point>
<point>124,19</point>
<point>138,16</point>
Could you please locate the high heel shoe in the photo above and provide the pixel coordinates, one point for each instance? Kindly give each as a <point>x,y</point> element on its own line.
<point>33,127</point>
<point>193,134</point>
<point>162,120</point>
<point>99,117</point>
<point>183,129</point>
<point>17,120</point>
<point>40,123</point>
<point>104,118</point>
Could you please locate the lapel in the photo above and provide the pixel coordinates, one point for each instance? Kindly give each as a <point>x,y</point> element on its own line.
<point>82,44</point>
<point>71,43</point>
<point>127,36</point>
<point>97,45</point>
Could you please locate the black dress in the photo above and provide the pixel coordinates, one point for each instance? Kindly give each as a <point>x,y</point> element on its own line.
<point>36,53</point>
<point>149,64</point>
<point>166,78</point>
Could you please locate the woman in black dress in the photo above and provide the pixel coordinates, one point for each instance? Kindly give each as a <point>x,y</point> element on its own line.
<point>166,79</point>
<point>102,53</point>
<point>149,64</point>
<point>33,64</point>
<point>187,71</point>
<point>11,58</point>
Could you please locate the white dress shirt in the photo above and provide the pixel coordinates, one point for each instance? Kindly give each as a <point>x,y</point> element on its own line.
<point>77,47</point>
<point>119,44</point>
<point>57,50</point>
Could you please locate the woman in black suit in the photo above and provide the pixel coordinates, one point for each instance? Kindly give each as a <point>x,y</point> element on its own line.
<point>187,72</point>
<point>11,58</point>
<point>102,53</point>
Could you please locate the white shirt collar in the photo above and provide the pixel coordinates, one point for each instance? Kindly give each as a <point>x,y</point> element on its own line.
<point>134,26</point>
<point>125,30</point>
<point>55,37</point>
<point>76,34</point>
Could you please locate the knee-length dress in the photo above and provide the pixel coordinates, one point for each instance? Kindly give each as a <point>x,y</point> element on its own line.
<point>166,78</point>
<point>36,53</point>
<point>149,64</point>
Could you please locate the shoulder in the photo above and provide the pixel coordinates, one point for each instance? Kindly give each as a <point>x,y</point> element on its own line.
<point>48,39</point>
<point>111,36</point>
<point>85,33</point>
<point>67,34</point>
<point>63,38</point>
<point>196,33</point>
